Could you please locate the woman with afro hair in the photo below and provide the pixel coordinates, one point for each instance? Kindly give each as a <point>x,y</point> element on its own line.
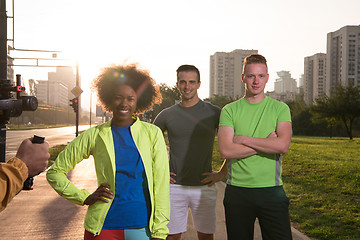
<point>131,162</point>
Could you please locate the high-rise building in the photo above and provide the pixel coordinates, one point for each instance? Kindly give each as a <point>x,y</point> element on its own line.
<point>225,73</point>
<point>314,77</point>
<point>343,57</point>
<point>300,89</point>
<point>301,80</point>
<point>65,76</point>
<point>285,87</point>
<point>52,93</point>
<point>285,83</point>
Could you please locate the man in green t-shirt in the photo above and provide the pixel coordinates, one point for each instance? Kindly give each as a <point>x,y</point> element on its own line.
<point>253,132</point>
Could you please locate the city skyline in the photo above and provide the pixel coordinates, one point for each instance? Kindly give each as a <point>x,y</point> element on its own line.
<point>161,35</point>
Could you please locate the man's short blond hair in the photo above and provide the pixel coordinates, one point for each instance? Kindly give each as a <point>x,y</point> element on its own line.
<point>254,58</point>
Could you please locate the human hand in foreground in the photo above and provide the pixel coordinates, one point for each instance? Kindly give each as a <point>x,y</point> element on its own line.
<point>172,180</point>
<point>35,156</point>
<point>213,177</point>
<point>100,194</point>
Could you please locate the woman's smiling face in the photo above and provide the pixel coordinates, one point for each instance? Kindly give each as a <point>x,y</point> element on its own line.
<point>123,105</point>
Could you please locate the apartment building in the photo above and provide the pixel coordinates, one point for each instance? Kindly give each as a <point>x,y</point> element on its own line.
<point>285,83</point>
<point>343,57</point>
<point>300,89</point>
<point>285,87</point>
<point>314,77</point>
<point>225,73</point>
<point>52,93</point>
<point>65,76</point>
<point>56,90</point>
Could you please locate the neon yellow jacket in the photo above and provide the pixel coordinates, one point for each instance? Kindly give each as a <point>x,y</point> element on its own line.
<point>98,141</point>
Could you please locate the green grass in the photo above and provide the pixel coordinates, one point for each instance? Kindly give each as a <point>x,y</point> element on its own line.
<point>217,161</point>
<point>322,180</point>
<point>54,152</point>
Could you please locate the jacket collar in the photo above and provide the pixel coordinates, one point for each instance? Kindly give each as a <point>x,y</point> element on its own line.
<point>105,130</point>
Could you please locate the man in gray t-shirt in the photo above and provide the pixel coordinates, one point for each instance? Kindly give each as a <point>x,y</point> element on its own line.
<point>191,127</point>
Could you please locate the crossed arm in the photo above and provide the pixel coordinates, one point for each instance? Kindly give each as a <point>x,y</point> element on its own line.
<point>231,146</point>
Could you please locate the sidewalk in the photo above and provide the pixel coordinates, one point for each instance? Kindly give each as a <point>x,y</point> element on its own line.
<point>43,214</point>
<point>221,228</point>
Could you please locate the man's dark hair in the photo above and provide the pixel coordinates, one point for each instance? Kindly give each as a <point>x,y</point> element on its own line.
<point>187,68</point>
<point>254,58</point>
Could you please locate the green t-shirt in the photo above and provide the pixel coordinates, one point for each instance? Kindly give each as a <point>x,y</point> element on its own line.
<point>255,120</point>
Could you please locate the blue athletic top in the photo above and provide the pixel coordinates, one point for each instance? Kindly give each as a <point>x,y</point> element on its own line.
<point>131,205</point>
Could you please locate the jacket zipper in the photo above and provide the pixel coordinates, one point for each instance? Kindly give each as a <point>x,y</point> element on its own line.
<point>102,219</point>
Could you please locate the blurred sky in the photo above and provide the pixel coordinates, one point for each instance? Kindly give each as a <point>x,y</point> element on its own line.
<point>160,35</point>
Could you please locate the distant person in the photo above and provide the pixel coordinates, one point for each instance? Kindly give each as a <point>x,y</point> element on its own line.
<point>131,162</point>
<point>253,132</point>
<point>29,161</point>
<point>191,126</point>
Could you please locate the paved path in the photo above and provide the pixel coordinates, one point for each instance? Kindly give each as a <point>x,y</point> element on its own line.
<point>220,222</point>
<point>43,214</point>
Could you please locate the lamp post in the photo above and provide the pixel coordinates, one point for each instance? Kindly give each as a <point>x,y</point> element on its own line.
<point>90,108</point>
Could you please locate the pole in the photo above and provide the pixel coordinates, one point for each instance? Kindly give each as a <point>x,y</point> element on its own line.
<point>13,25</point>
<point>3,72</point>
<point>90,109</point>
<point>3,41</point>
<point>77,112</point>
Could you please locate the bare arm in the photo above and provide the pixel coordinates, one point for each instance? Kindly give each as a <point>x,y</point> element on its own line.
<point>279,144</point>
<point>228,148</point>
<point>214,177</point>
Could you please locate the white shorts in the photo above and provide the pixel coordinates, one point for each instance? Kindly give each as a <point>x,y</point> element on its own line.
<point>202,202</point>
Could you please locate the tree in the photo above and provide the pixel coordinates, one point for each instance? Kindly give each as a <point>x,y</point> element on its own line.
<point>169,96</point>
<point>301,119</point>
<point>219,100</point>
<point>297,106</point>
<point>343,104</point>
